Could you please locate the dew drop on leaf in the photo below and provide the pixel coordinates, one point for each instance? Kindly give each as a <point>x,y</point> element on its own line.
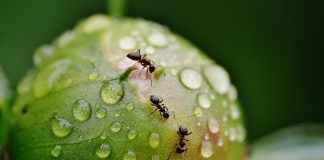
<point>131,134</point>
<point>61,127</point>
<point>190,78</point>
<point>56,151</point>
<point>116,127</point>
<point>81,110</point>
<point>130,155</point>
<point>154,140</point>
<point>103,151</point>
<point>206,149</point>
<point>112,92</point>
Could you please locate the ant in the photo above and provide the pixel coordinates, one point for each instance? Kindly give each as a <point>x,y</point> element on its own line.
<point>155,101</point>
<point>182,146</point>
<point>141,59</point>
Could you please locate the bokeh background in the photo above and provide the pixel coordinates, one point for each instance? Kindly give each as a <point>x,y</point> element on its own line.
<point>272,49</point>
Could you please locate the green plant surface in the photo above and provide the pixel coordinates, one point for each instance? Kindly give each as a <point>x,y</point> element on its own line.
<point>4,111</point>
<point>82,100</point>
<point>299,142</point>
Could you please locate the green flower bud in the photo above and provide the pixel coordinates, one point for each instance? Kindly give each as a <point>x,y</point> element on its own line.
<point>86,100</point>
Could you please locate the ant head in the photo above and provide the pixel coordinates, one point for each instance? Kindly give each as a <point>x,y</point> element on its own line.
<point>154,99</point>
<point>136,56</point>
<point>151,68</point>
<point>166,115</point>
<point>183,130</point>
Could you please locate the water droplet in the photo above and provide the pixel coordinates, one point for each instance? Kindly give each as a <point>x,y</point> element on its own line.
<point>26,83</point>
<point>81,110</point>
<point>224,103</point>
<point>206,149</point>
<point>157,39</point>
<point>106,77</point>
<point>224,118</point>
<point>213,125</point>
<point>95,23</point>
<point>241,133</point>
<point>103,135</point>
<point>218,78</point>
<point>112,92</point>
<point>235,113</point>
<point>232,93</point>
<point>130,155</point>
<point>80,138</point>
<point>127,43</point>
<point>132,134</point>
<point>61,127</point>
<point>220,142</point>
<point>129,106</point>
<point>117,114</point>
<point>56,151</point>
<point>203,100</point>
<point>103,151</point>
<point>232,134</point>
<point>190,78</point>
<point>174,71</point>
<point>197,111</point>
<point>154,140</point>
<point>93,75</point>
<point>101,112</point>
<point>42,54</point>
<point>155,157</point>
<point>149,50</point>
<point>116,127</point>
<point>65,38</point>
<point>199,123</point>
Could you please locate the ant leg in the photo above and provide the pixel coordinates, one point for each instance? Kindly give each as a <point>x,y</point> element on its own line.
<point>173,113</point>
<point>140,73</point>
<point>189,133</point>
<point>153,111</point>
<point>169,155</point>
<point>161,100</point>
<point>185,153</point>
<point>151,79</point>
<point>166,108</point>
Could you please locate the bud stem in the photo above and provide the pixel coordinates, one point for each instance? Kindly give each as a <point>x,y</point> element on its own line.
<point>116,7</point>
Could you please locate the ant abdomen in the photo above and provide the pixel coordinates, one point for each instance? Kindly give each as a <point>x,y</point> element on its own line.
<point>136,56</point>
<point>154,99</point>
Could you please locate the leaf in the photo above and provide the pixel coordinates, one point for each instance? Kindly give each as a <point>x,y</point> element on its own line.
<point>300,142</point>
<point>4,112</point>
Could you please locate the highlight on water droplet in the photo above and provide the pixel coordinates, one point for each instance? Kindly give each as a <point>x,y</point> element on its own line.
<point>117,114</point>
<point>241,133</point>
<point>220,142</point>
<point>127,43</point>
<point>217,77</point>
<point>103,151</point>
<point>232,134</point>
<point>197,111</point>
<point>190,78</point>
<point>129,106</point>
<point>112,92</point>
<point>81,110</point>
<point>101,112</point>
<point>60,127</point>
<point>131,134</point>
<point>130,155</point>
<point>213,125</point>
<point>154,140</point>
<point>56,151</point>
<point>116,127</point>
<point>206,149</point>
<point>203,100</point>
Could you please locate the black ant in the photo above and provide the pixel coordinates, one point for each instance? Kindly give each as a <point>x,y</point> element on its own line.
<point>182,146</point>
<point>141,59</point>
<point>155,101</point>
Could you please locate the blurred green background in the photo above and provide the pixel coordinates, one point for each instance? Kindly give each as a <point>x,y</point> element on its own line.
<point>272,49</point>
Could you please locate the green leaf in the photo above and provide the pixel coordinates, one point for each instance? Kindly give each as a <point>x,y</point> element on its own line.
<point>300,142</point>
<point>4,111</point>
